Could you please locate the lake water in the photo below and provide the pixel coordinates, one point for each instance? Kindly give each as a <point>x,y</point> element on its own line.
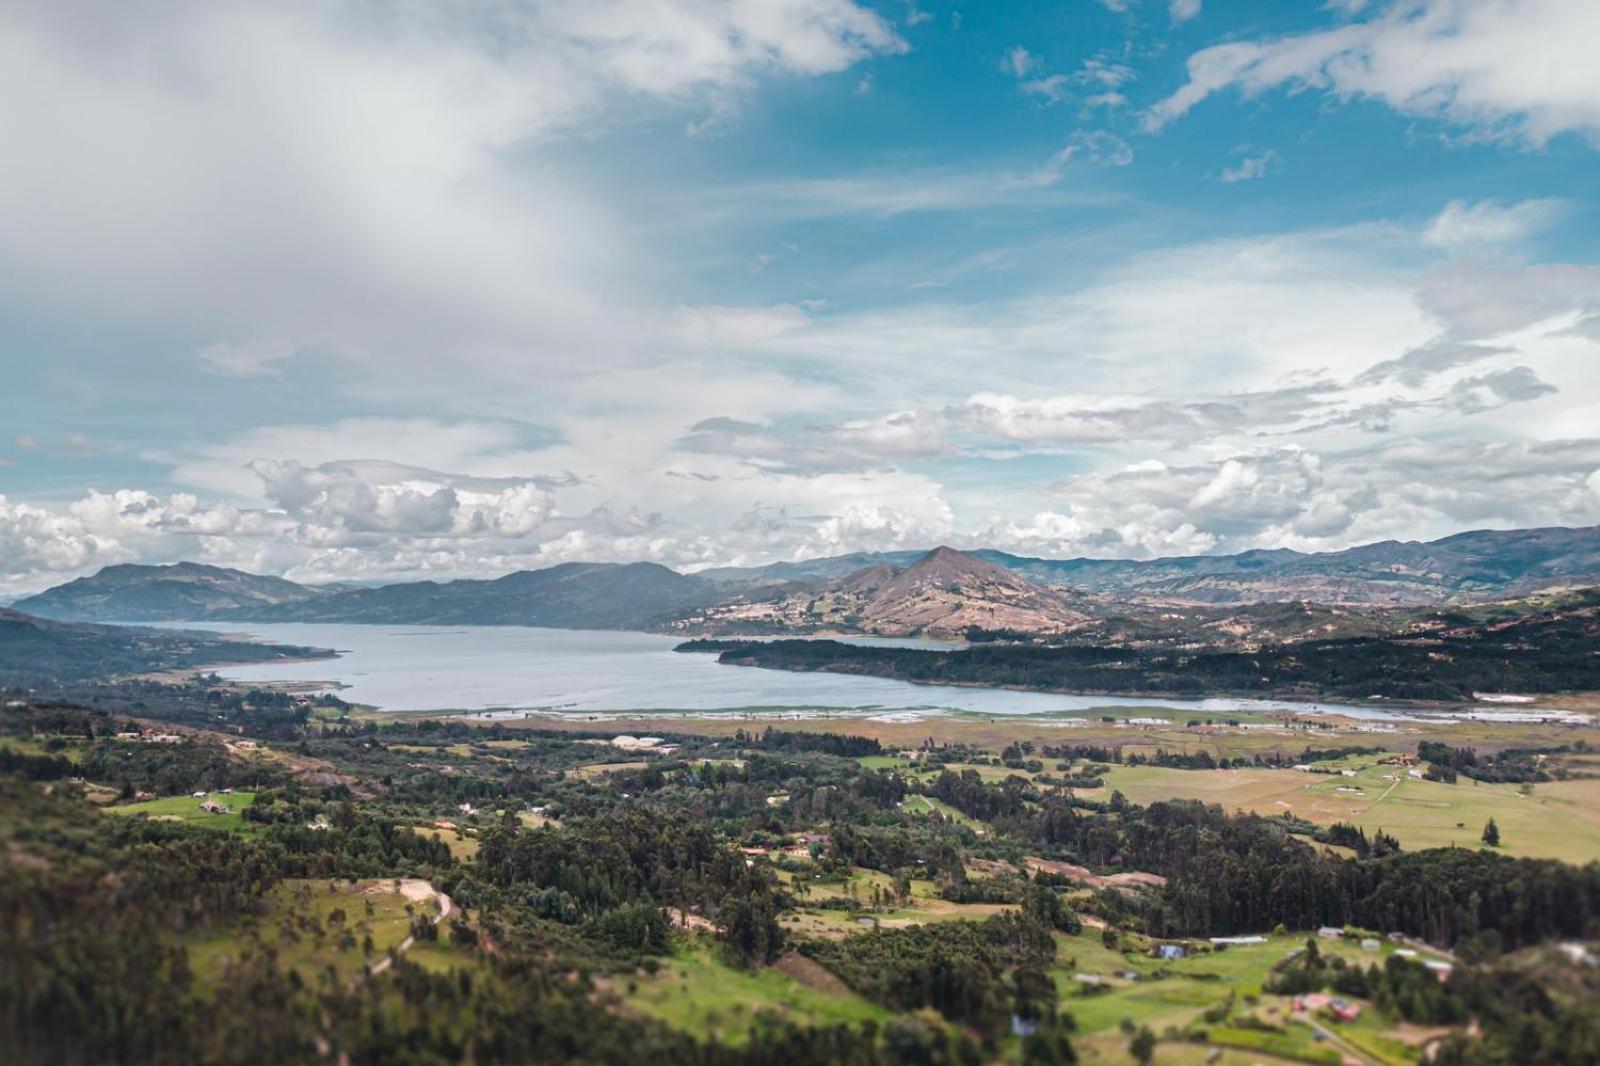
<point>518,669</point>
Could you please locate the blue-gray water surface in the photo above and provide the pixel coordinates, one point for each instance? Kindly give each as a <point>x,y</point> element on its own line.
<point>477,668</point>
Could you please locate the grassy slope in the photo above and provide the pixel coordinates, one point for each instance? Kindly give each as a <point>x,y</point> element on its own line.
<point>700,993</point>
<point>187,809</point>
<point>297,925</point>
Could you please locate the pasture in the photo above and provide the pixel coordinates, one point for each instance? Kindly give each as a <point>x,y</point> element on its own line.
<point>1557,820</point>
<point>188,810</point>
<point>696,991</point>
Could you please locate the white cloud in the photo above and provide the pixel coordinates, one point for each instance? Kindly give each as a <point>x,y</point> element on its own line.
<point>1183,10</point>
<point>1097,148</point>
<point>1497,69</point>
<point>1463,225</point>
<point>1251,167</point>
<point>1052,89</point>
<point>387,203</point>
<point>1019,62</point>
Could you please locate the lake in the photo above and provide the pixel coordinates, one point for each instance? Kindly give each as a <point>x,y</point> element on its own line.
<point>516,669</point>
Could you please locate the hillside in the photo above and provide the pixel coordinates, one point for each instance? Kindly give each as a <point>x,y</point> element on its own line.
<point>39,649</point>
<point>180,592</point>
<point>1445,657</point>
<point>943,594</point>
<point>569,596</point>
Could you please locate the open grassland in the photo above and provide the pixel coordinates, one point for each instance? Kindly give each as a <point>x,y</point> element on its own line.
<point>1279,731</point>
<point>1559,819</point>
<point>924,905</point>
<point>592,771</point>
<point>187,809</point>
<point>931,805</point>
<point>697,991</point>
<point>69,748</point>
<point>327,927</point>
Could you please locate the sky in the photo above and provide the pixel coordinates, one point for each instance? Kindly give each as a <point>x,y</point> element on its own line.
<point>355,291</point>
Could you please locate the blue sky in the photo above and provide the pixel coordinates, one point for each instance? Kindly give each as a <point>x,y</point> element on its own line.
<point>362,292</point>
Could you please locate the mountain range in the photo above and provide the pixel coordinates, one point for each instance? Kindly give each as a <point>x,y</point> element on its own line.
<point>939,593</point>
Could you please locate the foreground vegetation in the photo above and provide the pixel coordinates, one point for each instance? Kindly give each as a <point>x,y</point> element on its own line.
<point>421,890</point>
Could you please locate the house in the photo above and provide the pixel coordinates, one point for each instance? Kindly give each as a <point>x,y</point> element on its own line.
<point>1311,1001</point>
<point>1370,944</point>
<point>1170,951</point>
<point>198,796</point>
<point>1330,932</point>
<point>1234,940</point>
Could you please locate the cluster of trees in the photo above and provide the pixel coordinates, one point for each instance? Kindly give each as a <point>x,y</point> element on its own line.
<point>978,973</point>
<point>1345,835</point>
<point>1401,986</point>
<point>625,860</point>
<point>1511,766</point>
<point>827,743</point>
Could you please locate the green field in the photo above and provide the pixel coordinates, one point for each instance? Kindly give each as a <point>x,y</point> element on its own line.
<point>1176,992</point>
<point>69,748</point>
<point>883,762</point>
<point>1558,820</point>
<point>928,803</point>
<point>698,992</point>
<point>304,926</point>
<point>186,809</point>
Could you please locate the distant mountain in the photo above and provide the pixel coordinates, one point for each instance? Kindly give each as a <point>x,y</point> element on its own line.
<point>943,593</point>
<point>822,569</point>
<point>181,592</point>
<point>1480,565</point>
<point>569,596</point>
<point>39,649</point>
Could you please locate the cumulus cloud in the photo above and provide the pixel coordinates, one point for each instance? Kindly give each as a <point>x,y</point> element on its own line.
<point>1498,70</point>
<point>1297,498</point>
<point>378,205</point>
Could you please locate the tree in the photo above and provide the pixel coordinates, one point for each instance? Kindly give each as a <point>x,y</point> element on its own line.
<point>1491,834</point>
<point>1143,1045</point>
<point>750,927</point>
